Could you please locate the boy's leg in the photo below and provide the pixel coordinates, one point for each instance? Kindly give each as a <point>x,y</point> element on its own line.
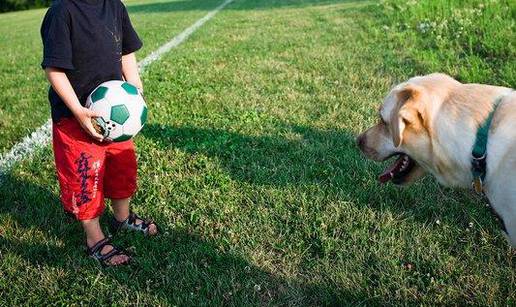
<point>80,170</point>
<point>120,180</point>
<point>120,173</point>
<point>120,208</point>
<point>121,213</point>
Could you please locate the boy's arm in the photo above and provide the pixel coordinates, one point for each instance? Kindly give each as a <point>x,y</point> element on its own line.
<point>64,89</point>
<point>130,70</point>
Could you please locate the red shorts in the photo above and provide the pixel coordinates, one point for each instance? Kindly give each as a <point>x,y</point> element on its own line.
<point>89,171</point>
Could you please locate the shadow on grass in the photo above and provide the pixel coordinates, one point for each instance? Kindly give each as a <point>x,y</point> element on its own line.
<point>178,6</point>
<point>307,156</point>
<point>178,267</point>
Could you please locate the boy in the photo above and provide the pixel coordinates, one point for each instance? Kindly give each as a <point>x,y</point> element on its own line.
<point>85,43</point>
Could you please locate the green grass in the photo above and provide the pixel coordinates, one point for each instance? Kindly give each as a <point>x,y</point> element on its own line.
<point>249,166</point>
<point>472,40</point>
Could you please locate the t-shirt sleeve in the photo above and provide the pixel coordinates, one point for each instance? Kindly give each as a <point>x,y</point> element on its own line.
<point>130,40</point>
<point>57,45</point>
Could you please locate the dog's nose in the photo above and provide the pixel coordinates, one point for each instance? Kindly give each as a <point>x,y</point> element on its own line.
<point>361,140</point>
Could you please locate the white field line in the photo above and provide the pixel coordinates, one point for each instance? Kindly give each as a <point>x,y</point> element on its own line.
<point>42,136</point>
<point>176,41</point>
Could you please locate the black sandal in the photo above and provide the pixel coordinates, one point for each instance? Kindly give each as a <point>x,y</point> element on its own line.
<point>130,224</point>
<point>95,252</point>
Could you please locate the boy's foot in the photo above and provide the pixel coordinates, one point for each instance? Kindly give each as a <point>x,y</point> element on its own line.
<point>108,254</point>
<point>134,222</point>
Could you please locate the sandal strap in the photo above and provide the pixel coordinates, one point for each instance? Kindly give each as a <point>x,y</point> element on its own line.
<point>131,223</point>
<point>115,225</point>
<point>96,252</point>
<point>99,245</point>
<point>104,257</point>
<point>132,217</point>
<point>143,226</point>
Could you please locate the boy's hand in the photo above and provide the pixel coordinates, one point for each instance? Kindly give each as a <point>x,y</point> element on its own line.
<point>84,117</point>
<point>64,89</point>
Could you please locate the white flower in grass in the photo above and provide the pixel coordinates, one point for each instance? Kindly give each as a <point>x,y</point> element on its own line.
<point>424,27</point>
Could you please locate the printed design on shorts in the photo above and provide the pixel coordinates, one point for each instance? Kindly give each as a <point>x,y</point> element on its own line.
<point>84,166</point>
<point>96,168</point>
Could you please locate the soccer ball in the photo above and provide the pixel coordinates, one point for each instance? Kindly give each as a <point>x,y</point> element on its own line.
<point>122,110</point>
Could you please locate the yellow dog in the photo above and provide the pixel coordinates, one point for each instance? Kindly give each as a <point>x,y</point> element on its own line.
<point>460,133</point>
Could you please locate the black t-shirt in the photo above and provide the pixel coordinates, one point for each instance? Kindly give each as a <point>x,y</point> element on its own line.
<point>86,38</point>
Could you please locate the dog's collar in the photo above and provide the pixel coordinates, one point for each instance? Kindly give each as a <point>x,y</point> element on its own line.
<point>479,153</point>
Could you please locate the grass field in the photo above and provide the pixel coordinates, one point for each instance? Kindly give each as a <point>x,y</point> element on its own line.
<point>250,168</point>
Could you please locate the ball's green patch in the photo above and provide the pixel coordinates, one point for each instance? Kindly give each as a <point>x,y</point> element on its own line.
<point>129,88</point>
<point>99,94</point>
<point>143,117</point>
<point>122,138</point>
<point>119,114</point>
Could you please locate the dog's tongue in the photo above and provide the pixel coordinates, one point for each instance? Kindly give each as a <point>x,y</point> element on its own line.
<point>389,173</point>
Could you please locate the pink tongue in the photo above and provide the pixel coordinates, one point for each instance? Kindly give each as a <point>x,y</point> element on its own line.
<point>389,173</point>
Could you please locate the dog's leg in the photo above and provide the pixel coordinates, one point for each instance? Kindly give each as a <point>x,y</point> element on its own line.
<point>501,193</point>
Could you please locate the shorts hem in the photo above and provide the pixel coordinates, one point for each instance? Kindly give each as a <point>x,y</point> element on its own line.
<point>120,195</point>
<point>84,217</point>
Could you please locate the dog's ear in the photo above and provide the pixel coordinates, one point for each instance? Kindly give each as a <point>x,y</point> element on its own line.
<point>406,112</point>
